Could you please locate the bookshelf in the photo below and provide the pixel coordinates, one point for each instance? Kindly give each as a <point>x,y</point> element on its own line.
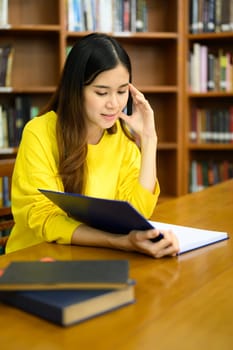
<point>160,59</point>
<point>209,158</point>
<point>160,70</point>
<point>40,39</point>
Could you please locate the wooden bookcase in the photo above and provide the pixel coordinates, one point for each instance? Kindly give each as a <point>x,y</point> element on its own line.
<point>204,152</point>
<point>160,65</point>
<point>40,39</point>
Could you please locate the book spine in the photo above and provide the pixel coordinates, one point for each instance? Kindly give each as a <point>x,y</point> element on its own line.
<point>126,16</point>
<point>4,13</point>
<point>203,68</point>
<point>211,16</point>
<point>210,72</point>
<point>141,16</point>
<point>200,19</point>
<point>193,125</point>
<point>4,56</point>
<point>218,15</point>
<point>231,124</point>
<point>5,192</point>
<point>133,16</point>
<point>225,16</point>
<point>231,15</point>
<point>223,70</point>
<point>194,16</point>
<point>196,67</point>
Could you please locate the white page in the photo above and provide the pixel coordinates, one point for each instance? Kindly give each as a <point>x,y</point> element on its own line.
<point>191,238</point>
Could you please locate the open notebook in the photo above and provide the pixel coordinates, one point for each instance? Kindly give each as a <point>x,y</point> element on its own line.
<point>120,217</point>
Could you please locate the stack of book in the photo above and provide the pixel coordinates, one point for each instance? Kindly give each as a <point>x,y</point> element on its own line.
<point>67,292</point>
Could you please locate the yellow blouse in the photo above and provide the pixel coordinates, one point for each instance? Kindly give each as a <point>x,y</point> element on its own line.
<point>113,169</point>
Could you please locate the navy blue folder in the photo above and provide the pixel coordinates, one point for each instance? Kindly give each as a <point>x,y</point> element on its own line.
<point>113,216</point>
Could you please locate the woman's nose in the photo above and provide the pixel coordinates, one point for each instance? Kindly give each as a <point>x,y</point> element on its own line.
<point>112,101</point>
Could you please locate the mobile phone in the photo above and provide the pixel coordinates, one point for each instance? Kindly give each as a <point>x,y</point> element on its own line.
<point>129,106</point>
<point>158,238</point>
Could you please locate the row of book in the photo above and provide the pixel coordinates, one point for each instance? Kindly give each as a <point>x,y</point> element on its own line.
<point>207,173</point>
<point>6,61</point>
<point>210,71</point>
<point>13,119</point>
<point>107,15</point>
<point>211,16</point>
<point>211,125</point>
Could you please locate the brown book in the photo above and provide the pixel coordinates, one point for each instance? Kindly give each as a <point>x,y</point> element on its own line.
<point>225,16</point>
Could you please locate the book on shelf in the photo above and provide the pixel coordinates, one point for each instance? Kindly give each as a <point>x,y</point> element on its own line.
<point>6,62</point>
<point>209,16</point>
<point>203,68</point>
<point>4,14</point>
<point>223,71</point>
<point>218,9</point>
<point>225,16</point>
<point>3,128</point>
<point>193,15</point>
<point>1,193</point>
<point>6,200</point>
<point>120,217</point>
<point>68,307</point>
<point>231,16</point>
<point>211,86</point>
<point>64,274</point>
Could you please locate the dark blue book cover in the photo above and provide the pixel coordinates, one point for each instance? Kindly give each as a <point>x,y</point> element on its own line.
<point>65,274</point>
<point>67,307</point>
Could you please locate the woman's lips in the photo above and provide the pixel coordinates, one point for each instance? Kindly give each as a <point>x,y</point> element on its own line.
<point>109,116</point>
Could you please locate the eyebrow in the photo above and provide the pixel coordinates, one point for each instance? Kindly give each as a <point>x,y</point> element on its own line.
<point>108,87</point>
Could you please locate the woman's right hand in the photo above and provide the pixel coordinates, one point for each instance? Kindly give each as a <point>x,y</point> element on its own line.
<point>141,241</point>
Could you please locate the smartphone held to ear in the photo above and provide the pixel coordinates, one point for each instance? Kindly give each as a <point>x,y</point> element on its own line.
<point>129,107</point>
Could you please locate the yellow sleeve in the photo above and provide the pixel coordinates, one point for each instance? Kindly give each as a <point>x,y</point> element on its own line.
<point>37,219</point>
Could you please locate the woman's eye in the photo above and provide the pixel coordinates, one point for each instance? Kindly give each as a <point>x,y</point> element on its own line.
<point>101,93</point>
<point>122,92</point>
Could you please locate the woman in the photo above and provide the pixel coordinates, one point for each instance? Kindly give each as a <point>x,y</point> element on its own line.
<point>81,143</point>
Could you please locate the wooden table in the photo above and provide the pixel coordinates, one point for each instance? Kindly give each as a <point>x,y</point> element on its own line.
<point>183,303</point>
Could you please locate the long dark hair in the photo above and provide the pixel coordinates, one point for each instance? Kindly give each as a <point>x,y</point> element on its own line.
<point>90,56</point>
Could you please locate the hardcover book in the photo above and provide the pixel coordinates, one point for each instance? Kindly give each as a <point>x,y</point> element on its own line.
<point>67,307</point>
<point>72,274</point>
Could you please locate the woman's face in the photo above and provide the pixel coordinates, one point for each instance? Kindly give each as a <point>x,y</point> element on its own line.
<point>104,99</point>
